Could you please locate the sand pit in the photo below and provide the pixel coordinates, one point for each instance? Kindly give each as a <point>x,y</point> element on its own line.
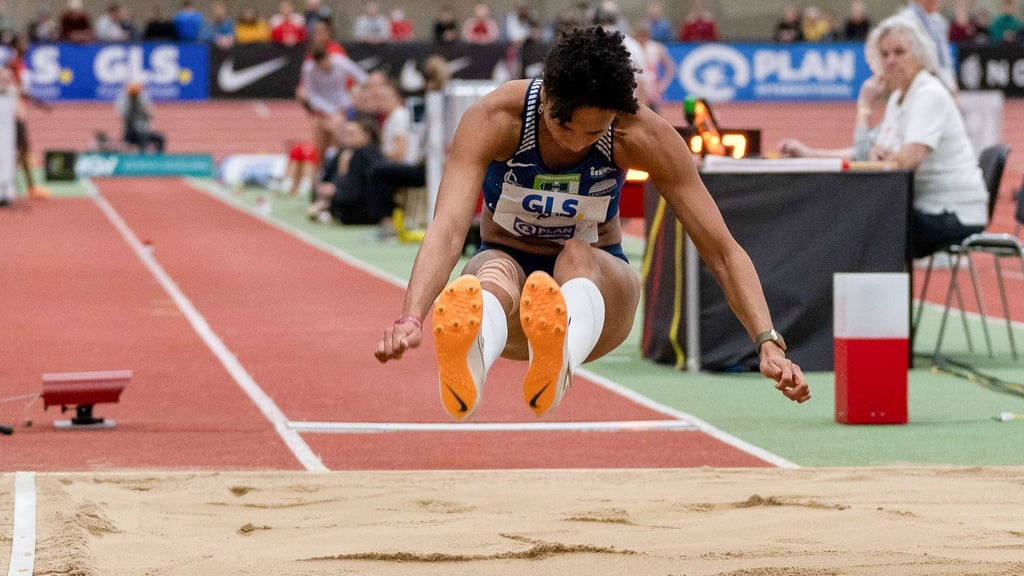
<point>735,522</point>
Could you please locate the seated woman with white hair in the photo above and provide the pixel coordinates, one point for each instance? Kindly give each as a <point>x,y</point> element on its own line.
<point>924,131</point>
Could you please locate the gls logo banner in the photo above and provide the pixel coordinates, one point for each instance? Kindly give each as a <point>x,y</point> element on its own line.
<point>768,72</point>
<point>98,72</point>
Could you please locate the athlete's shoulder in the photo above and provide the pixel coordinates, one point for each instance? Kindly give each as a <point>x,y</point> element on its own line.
<point>508,97</point>
<point>639,135</point>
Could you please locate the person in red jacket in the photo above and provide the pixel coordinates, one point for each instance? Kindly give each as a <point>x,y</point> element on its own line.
<point>699,25</point>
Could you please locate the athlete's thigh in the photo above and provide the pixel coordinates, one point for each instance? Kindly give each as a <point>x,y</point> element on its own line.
<point>620,286</point>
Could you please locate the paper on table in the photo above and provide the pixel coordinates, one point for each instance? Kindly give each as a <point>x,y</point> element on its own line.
<point>732,165</point>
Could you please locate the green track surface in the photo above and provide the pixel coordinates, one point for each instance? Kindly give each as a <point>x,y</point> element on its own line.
<point>952,419</point>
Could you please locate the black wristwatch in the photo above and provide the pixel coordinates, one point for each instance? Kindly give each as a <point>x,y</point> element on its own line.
<point>769,336</point>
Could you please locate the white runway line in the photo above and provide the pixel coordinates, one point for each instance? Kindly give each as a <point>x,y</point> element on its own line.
<point>265,403</point>
<point>23,544</point>
<point>387,427</point>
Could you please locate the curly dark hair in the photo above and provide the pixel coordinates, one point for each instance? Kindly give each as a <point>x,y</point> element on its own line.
<point>589,67</point>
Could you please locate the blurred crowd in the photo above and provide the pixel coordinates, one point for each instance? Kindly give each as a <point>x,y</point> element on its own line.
<point>292,23</point>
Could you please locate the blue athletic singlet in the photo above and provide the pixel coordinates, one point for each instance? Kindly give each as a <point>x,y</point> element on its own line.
<point>527,200</point>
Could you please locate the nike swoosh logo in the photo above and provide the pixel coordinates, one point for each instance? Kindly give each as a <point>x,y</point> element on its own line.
<point>231,80</point>
<point>533,401</point>
<point>512,164</point>
<point>462,405</point>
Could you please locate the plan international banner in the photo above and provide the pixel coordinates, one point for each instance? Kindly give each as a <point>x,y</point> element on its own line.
<point>768,72</point>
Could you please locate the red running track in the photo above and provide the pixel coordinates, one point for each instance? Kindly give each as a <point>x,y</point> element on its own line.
<point>301,322</point>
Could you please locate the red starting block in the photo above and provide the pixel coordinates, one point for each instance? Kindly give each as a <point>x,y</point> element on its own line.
<point>83,390</point>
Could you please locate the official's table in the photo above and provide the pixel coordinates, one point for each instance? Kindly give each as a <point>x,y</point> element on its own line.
<point>799,229</point>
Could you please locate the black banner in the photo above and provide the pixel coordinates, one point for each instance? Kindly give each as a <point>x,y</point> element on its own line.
<point>272,71</point>
<point>255,71</point>
<point>992,67</point>
<point>799,229</point>
<point>404,60</point>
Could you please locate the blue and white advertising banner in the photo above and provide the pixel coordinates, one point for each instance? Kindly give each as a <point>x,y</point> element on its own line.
<point>768,72</point>
<point>99,71</point>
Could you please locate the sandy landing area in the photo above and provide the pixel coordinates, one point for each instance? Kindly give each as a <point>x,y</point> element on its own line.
<point>748,522</point>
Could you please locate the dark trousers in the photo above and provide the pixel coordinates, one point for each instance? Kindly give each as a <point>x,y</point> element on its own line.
<point>930,233</point>
<point>388,177</point>
<point>144,140</point>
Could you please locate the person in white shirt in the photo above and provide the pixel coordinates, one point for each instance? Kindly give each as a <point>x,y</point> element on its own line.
<point>109,26</point>
<point>324,92</point>
<point>923,131</point>
<point>371,26</point>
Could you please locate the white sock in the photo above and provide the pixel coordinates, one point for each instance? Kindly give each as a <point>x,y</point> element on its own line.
<point>305,185</point>
<point>585,307</point>
<point>493,328</point>
<point>286,184</point>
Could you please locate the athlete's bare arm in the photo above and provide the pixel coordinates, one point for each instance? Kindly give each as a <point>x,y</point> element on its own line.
<point>651,144</point>
<point>489,130</point>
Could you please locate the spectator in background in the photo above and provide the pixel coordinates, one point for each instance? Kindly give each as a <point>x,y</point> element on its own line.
<point>788,28</point>
<point>401,27</point>
<point>961,27</point>
<point>109,26</point>
<point>15,75</point>
<point>287,27</point>
<point>250,28</point>
<point>7,28</point>
<point>188,22</point>
<point>396,142</point>
<point>136,112</point>
<point>43,28</point>
<point>1006,27</point>
<point>315,12</point>
<point>323,38</point>
<point>158,27</point>
<point>391,177</point>
<point>593,12</point>
<point>982,21</point>
<point>857,23</point>
<point>816,26</point>
<point>129,26</point>
<point>349,197</point>
<point>480,28</point>
<point>660,28</point>
<point>446,29</point>
<point>926,14</point>
<point>569,18</point>
<point>659,69</point>
<point>699,25</point>
<point>75,24</point>
<point>923,131</point>
<point>323,91</point>
<point>518,23</point>
<point>371,26</point>
<point>220,28</point>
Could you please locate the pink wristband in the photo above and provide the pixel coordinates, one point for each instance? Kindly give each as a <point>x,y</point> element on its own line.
<point>410,318</point>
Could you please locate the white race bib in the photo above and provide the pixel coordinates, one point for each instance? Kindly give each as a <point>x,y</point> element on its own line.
<point>549,215</point>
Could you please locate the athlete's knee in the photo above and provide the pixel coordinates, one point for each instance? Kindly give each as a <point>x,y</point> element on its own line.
<point>504,278</point>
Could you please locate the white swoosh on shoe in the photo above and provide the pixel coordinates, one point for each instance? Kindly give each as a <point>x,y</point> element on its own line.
<point>231,80</point>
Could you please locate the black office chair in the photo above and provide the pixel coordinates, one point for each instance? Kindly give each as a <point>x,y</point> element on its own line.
<point>999,246</point>
<point>992,162</point>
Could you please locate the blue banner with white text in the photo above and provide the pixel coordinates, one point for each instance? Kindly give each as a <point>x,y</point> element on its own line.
<point>169,71</point>
<point>768,72</point>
